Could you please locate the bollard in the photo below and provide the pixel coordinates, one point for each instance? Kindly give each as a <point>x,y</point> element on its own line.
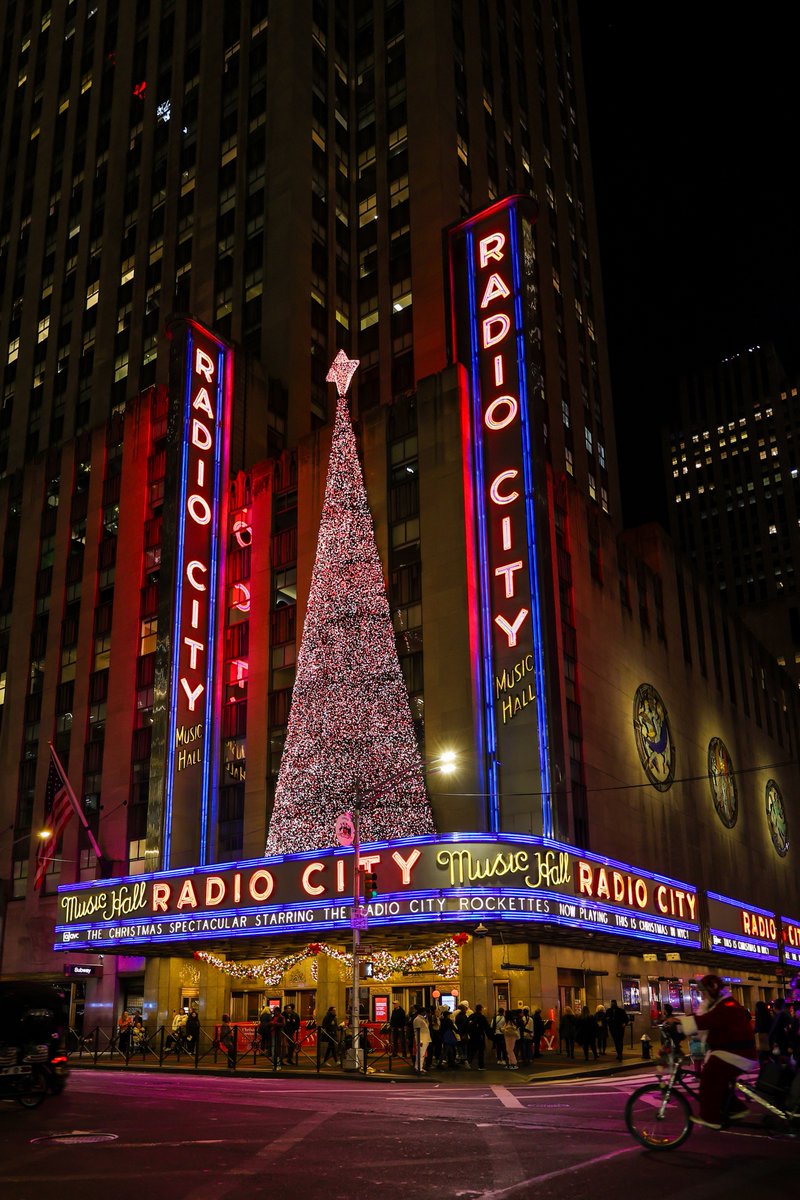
<point>645,1046</point>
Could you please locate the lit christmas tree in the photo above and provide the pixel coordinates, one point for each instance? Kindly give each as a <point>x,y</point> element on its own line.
<point>350,737</point>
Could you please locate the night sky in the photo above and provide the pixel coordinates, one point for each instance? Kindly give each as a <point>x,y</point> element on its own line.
<point>693,118</point>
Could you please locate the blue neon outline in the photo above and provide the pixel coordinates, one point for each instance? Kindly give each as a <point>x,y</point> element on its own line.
<point>344,902</point>
<point>735,953</point>
<point>791,954</point>
<point>176,618</point>
<point>487,702</point>
<point>342,926</point>
<point>741,904</point>
<point>208,798</point>
<point>523,839</point>
<point>530,517</point>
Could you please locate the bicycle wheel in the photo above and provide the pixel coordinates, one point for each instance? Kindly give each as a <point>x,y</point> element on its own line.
<point>658,1120</point>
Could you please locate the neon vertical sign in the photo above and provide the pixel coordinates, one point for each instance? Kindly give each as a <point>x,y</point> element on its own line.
<point>192,745</point>
<point>489,337</point>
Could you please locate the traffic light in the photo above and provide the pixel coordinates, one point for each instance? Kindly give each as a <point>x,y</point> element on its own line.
<point>370,885</point>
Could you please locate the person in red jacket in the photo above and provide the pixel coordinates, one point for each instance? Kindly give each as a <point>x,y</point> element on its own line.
<point>730,1048</point>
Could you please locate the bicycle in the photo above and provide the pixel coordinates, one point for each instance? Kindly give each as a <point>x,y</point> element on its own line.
<point>658,1113</point>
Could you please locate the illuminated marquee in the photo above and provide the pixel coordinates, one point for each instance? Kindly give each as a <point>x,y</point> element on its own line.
<point>491,327</point>
<point>790,941</point>
<point>509,878</point>
<point>741,929</point>
<point>191,738</point>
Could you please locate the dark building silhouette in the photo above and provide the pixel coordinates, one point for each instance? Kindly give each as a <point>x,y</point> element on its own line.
<point>734,491</point>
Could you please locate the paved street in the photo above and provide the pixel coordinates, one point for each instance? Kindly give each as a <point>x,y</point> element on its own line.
<point>176,1137</point>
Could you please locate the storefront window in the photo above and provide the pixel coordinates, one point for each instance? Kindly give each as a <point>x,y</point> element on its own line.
<point>631,995</point>
<point>655,1001</point>
<point>675,992</point>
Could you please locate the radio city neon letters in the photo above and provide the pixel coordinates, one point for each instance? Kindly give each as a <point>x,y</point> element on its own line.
<point>756,925</point>
<point>201,449</point>
<point>500,413</point>
<point>198,511</point>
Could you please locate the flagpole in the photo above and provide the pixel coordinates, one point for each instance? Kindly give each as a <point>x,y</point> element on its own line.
<point>75,804</point>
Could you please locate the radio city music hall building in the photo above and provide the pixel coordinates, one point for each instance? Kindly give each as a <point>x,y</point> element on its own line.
<point>626,782</point>
<point>620,817</point>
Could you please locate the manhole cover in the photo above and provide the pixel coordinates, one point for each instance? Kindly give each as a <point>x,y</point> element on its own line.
<point>73,1139</point>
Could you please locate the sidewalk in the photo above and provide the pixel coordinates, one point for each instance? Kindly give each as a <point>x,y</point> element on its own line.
<point>550,1067</point>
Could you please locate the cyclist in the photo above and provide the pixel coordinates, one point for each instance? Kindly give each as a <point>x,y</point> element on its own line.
<point>731,1048</point>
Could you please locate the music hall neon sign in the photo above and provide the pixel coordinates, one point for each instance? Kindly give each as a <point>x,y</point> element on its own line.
<point>490,334</point>
<point>192,752</point>
<point>509,877</point>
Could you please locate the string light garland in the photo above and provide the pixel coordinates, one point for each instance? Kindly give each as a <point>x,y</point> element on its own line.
<point>350,733</point>
<point>443,958</point>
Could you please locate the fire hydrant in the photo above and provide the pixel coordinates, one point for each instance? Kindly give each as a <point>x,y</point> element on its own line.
<point>645,1046</point>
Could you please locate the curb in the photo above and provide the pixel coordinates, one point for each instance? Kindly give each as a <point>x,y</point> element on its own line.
<point>489,1077</point>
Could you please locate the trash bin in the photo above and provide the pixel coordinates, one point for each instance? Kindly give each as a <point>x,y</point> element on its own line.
<point>646,1049</point>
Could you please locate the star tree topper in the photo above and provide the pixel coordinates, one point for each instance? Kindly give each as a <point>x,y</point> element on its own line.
<point>350,730</point>
<point>342,371</point>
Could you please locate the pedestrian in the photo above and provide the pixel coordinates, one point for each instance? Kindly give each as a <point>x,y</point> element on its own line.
<point>538,1032</point>
<point>601,1028</point>
<point>498,1021</point>
<point>124,1027</point>
<point>478,1030</point>
<point>176,1036</point>
<point>794,1030</point>
<point>567,1030</point>
<point>617,1019</point>
<point>762,1023</point>
<point>138,1034</point>
<point>192,1029</point>
<point>526,1036</point>
<point>264,1020</point>
<point>397,1028</point>
<point>462,1029</point>
<point>291,1030</point>
<point>329,1032</point>
<point>780,1030</point>
<point>510,1033</point>
<point>227,1039</point>
<point>276,1026</point>
<point>422,1040</point>
<point>412,1012</point>
<point>449,1039</point>
<point>587,1035</point>
<point>435,1024</point>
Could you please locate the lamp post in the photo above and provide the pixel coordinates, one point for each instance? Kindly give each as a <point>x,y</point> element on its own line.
<point>353,1059</point>
<point>444,763</point>
<point>6,885</point>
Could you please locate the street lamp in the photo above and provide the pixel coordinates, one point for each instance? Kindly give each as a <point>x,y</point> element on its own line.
<point>444,763</point>
<point>42,834</point>
<point>6,886</point>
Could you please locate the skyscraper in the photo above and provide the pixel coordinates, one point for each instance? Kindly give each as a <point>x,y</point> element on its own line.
<point>284,172</point>
<point>731,465</point>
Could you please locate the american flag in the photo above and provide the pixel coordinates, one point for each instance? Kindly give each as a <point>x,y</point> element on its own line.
<point>59,805</point>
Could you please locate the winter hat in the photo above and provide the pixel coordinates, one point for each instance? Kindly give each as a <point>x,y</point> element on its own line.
<point>712,983</point>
